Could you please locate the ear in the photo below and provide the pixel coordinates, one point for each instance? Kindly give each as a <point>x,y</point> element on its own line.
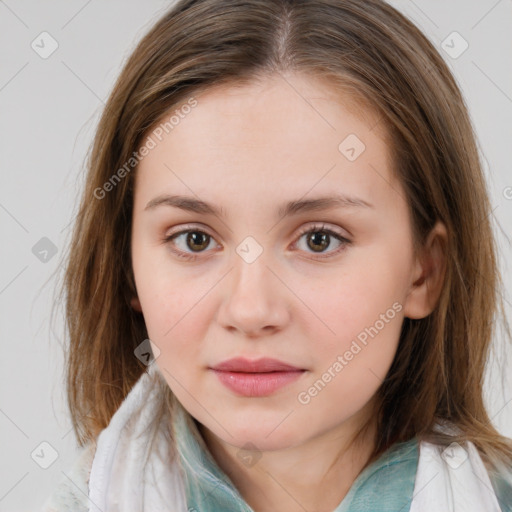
<point>428,275</point>
<point>135,304</point>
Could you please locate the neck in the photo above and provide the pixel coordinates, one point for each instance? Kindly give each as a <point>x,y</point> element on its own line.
<point>316,475</point>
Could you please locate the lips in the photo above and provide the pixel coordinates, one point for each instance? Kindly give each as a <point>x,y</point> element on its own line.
<point>264,365</point>
<point>256,378</point>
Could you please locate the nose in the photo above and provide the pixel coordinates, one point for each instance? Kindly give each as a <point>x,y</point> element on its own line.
<point>256,302</point>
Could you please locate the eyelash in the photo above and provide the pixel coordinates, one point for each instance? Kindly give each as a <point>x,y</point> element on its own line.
<point>310,229</point>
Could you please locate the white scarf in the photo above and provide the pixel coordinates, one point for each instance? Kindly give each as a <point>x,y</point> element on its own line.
<point>133,470</point>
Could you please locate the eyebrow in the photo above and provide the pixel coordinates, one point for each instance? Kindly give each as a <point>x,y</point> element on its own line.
<point>195,205</point>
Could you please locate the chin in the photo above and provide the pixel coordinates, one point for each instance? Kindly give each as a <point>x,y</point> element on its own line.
<point>267,433</point>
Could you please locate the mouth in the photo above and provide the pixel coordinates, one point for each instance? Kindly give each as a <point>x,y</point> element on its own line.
<point>257,378</point>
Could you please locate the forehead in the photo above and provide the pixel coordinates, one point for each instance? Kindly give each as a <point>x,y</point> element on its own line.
<point>284,135</point>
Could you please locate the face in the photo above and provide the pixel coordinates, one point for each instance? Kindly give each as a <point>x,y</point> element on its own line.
<point>267,269</point>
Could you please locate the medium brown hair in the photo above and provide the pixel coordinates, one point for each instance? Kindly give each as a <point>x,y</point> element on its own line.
<point>372,52</point>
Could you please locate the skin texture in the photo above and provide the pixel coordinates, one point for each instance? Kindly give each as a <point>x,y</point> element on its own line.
<point>250,149</point>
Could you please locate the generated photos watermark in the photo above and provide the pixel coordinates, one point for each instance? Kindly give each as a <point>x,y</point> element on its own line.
<point>152,141</point>
<point>361,341</point>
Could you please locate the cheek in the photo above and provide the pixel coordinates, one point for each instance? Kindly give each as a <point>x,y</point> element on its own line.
<point>352,303</point>
<point>362,308</point>
<point>350,368</point>
<point>164,290</point>
<point>173,320</point>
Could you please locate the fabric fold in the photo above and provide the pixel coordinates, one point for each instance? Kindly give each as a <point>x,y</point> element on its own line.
<point>133,470</point>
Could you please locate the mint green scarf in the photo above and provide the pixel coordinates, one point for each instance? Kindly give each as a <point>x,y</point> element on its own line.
<point>386,485</point>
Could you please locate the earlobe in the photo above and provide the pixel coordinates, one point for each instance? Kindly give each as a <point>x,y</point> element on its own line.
<point>428,278</point>
<point>135,304</point>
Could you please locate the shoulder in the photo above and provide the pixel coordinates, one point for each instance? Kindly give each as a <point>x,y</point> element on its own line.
<point>72,490</point>
<point>498,477</point>
<point>457,473</point>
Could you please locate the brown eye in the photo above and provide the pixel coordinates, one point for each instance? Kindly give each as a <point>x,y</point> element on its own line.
<point>188,244</point>
<point>197,240</point>
<point>318,240</point>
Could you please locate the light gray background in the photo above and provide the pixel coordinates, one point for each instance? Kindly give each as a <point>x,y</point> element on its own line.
<point>49,110</point>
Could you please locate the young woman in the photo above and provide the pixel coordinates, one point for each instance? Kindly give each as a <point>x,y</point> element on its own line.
<point>282,283</point>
